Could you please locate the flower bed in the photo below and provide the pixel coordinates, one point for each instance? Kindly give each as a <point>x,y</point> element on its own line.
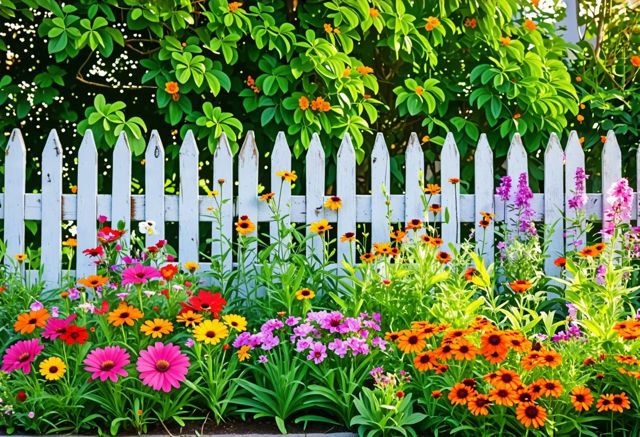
<point>415,339</point>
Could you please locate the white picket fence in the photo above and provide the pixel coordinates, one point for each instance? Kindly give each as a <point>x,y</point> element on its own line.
<point>52,206</point>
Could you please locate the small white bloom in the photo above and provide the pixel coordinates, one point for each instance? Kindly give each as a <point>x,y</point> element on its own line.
<point>147,227</point>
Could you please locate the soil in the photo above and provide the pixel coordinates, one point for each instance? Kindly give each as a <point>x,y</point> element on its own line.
<point>240,427</point>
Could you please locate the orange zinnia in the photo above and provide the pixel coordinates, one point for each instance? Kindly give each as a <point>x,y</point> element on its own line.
<point>520,285</point>
<point>124,314</point>
<point>432,189</point>
<point>93,281</point>
<point>581,398</point>
<point>531,415</point>
<point>411,342</point>
<point>28,322</point>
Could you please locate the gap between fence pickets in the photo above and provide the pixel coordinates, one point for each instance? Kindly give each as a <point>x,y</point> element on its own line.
<point>190,208</point>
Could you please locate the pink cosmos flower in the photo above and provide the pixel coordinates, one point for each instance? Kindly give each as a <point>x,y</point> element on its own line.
<point>107,363</point>
<point>139,274</point>
<point>162,366</point>
<point>317,353</point>
<point>57,327</point>
<point>21,355</point>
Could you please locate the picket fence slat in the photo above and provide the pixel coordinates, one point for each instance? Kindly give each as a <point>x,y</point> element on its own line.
<point>380,189</point>
<point>346,190</point>
<point>121,183</point>
<point>51,234</point>
<point>553,203</point>
<point>223,182</point>
<point>484,199</point>
<point>87,203</point>
<point>414,182</point>
<point>154,188</point>
<point>379,209</point>
<point>314,179</point>
<point>188,201</point>
<point>574,156</point>
<point>450,178</point>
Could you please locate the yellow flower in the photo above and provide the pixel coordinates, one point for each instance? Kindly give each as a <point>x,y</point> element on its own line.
<point>192,266</point>
<point>157,328</point>
<point>364,70</point>
<point>243,353</point>
<point>236,322</point>
<point>21,257</point>
<point>189,318</point>
<point>267,196</point>
<point>320,227</point>
<point>334,203</point>
<point>305,294</point>
<point>210,331</point>
<point>505,40</point>
<point>289,176</point>
<point>373,12</point>
<point>234,6</point>
<point>244,225</point>
<point>419,90</point>
<point>52,368</point>
<point>70,242</point>
<point>432,23</point>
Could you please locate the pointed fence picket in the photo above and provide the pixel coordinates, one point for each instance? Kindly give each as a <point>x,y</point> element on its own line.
<point>379,209</point>
<point>280,161</point>
<point>574,157</point>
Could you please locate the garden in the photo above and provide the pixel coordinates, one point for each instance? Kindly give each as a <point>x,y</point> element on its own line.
<point>365,218</point>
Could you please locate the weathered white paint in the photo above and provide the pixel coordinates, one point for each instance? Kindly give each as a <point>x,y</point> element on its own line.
<point>188,201</point>
<point>553,203</point>
<point>484,199</point>
<point>346,190</point>
<point>121,183</point>
<point>380,189</point>
<point>154,205</point>
<point>414,182</point>
<point>14,203</point>
<point>450,176</point>
<point>314,189</point>
<point>223,182</point>
<point>87,203</point>
<point>51,235</point>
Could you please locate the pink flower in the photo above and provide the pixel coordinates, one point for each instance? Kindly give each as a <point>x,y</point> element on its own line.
<point>317,353</point>
<point>619,200</point>
<point>21,355</point>
<point>107,363</point>
<point>139,274</point>
<point>162,366</point>
<point>57,327</point>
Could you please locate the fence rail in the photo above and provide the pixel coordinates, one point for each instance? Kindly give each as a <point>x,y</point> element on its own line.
<point>189,208</point>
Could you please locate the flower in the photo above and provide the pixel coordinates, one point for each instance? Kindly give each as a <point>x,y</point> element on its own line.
<point>109,235</point>
<point>162,367</point>
<point>443,257</point>
<point>233,6</point>
<point>20,355</point>
<point>368,257</point>
<point>635,61</point>
<point>619,402</point>
<point>317,353</point>
<point>52,368</point>
<point>560,261</point>
<point>70,242</point>
<point>21,396</point>
<point>478,405</point>
<point>398,235</point>
<point>579,198</point>
<point>244,225</point>
<point>432,23</point>
<point>168,271</point>
<point>503,396</point>
<point>432,189</point>
<point>21,257</point>
<point>156,328</point>
<point>414,224</point>
<point>205,301</point>
<point>505,40</point>
<point>28,322</point>
<point>531,415</point>
<point>373,12</point>
<point>328,27</point>
<point>93,281</point>
<point>236,322</point>
<point>419,90</point>
<point>124,314</point>
<point>243,353</point>
<point>107,363</point>
<point>425,361</point>
<point>619,201</point>
<point>333,203</point>
<point>604,403</point>
<point>75,334</point>
<point>56,327</point>
<point>504,189</point>
<point>411,342</point>
<point>348,237</point>
<point>288,176</point>
<point>305,294</point>
<point>364,70</point>
<point>94,252</point>
<point>262,359</point>
<point>267,196</point>
<point>470,22</point>
<point>210,332</point>
<point>189,318</point>
<point>460,394</point>
<point>454,180</point>
<point>320,227</point>
<point>530,25</point>
<point>435,208</point>
<point>172,87</point>
<point>551,388</point>
<point>581,398</point>
<point>520,285</point>
<point>139,274</point>
<point>191,266</point>
<point>303,103</point>
<point>319,104</point>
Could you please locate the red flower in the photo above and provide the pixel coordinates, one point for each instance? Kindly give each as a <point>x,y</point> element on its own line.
<point>109,235</point>
<point>560,261</point>
<point>21,396</point>
<point>104,308</point>
<point>205,301</point>
<point>75,334</point>
<point>168,271</point>
<point>94,252</point>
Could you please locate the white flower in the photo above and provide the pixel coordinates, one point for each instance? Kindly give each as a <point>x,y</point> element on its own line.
<point>147,227</point>
<point>73,230</point>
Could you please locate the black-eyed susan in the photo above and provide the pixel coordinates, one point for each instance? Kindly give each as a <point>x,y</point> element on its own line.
<point>588,252</point>
<point>604,403</point>
<point>235,322</point>
<point>191,266</point>
<point>267,196</point>
<point>411,342</point>
<point>367,258</point>
<point>156,328</point>
<point>124,314</point>
<point>478,405</point>
<point>398,235</point>
<point>551,388</point>
<point>414,224</point>
<point>320,227</point>
<point>503,396</point>
<point>443,257</point>
<point>460,394</point>
<point>189,318</point>
<point>53,368</point>
<point>244,225</point>
<point>305,294</point>
<point>382,248</point>
<point>21,257</point>
<point>425,361</point>
<point>435,208</point>
<point>464,350</point>
<point>333,203</point>
<point>581,398</point>
<point>211,332</point>
<point>436,241</point>
<point>550,358</point>
<point>432,189</point>
<point>531,415</point>
<point>508,379</point>
<point>620,402</point>
<point>470,273</point>
<point>288,176</point>
<point>348,237</point>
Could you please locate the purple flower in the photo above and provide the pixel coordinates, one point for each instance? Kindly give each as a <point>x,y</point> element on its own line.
<point>379,343</point>
<point>262,359</point>
<point>317,353</point>
<point>292,321</point>
<point>376,371</point>
<point>303,344</point>
<point>242,339</point>
<point>122,296</point>
<point>504,190</point>
<point>332,321</point>
<point>619,199</point>
<point>501,245</point>
<point>540,336</point>
<point>579,199</point>
<point>572,310</point>
<point>37,305</point>
<point>74,294</point>
<point>189,343</point>
<point>303,330</point>
<point>339,347</point>
<point>523,204</point>
<point>269,342</point>
<point>271,325</point>
<point>55,311</point>
<point>601,271</point>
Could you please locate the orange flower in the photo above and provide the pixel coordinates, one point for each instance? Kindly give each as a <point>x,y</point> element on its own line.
<point>530,25</point>
<point>505,40</point>
<point>560,261</point>
<point>425,361</point>
<point>244,225</point>
<point>550,387</point>
<point>436,394</point>
<point>478,405</point>
<point>414,224</point>
<point>588,251</point>
<point>470,22</point>
<point>328,28</point>
<point>333,203</point>
<point>267,196</point>
<point>172,87</point>
<point>168,271</point>
<point>411,342</point>
<point>319,104</point>
<point>124,314</point>
<point>604,403</point>
<point>93,281</point>
<point>520,286</point>
<point>581,398</point>
<point>435,208</point>
<point>303,103</point>
<point>419,90</point>
<point>398,235</point>
<point>460,394</point>
<point>367,257</point>
<point>28,322</point>
<point>443,257</point>
<point>234,6</point>
<point>635,61</point>
<point>484,223</point>
<point>373,12</point>
<point>494,341</point>
<point>436,241</point>
<point>348,236</point>
<point>454,180</point>
<point>464,350</point>
<point>364,70</point>
<point>619,402</point>
<point>550,358</point>
<point>432,23</point>
<point>580,118</point>
<point>503,396</point>
<point>469,274</point>
<point>320,227</point>
<point>346,72</point>
<point>531,415</point>
<point>507,379</point>
<point>432,189</point>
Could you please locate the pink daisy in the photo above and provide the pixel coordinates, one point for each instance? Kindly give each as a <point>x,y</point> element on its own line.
<point>21,355</point>
<point>139,274</point>
<point>57,327</point>
<point>107,363</point>
<point>162,366</point>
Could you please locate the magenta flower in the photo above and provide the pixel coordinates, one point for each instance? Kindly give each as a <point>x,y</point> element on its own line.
<point>579,199</point>
<point>162,366</point>
<point>317,353</point>
<point>504,190</point>
<point>139,274</point>
<point>107,363</point>
<point>619,200</point>
<point>21,355</point>
<point>56,327</point>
